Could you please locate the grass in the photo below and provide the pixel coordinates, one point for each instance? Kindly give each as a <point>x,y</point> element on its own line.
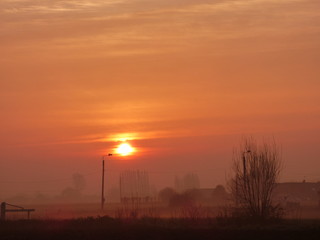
<point>156,228</point>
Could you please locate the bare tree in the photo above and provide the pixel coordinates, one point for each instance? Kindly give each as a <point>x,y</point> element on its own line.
<point>256,168</point>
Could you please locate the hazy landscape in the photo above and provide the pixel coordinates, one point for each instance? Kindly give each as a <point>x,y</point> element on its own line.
<point>159,119</point>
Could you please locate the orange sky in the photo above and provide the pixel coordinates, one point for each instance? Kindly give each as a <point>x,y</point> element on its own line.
<point>184,78</point>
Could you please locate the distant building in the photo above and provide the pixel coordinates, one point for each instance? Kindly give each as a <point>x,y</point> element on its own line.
<point>207,196</point>
<point>302,192</point>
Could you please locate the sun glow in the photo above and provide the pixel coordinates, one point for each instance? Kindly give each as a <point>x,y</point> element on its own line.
<point>124,149</point>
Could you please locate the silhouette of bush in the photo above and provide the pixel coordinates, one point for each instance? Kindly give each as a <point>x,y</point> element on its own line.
<point>256,169</point>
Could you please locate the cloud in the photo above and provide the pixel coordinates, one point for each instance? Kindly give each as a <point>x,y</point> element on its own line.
<point>205,19</point>
<point>109,62</point>
<point>73,30</point>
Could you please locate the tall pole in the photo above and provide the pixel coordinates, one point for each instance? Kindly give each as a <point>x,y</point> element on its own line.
<point>102,190</point>
<point>245,179</point>
<point>244,163</point>
<point>102,185</point>
<point>244,166</point>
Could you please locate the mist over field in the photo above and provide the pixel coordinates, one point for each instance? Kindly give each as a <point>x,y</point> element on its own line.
<point>159,119</point>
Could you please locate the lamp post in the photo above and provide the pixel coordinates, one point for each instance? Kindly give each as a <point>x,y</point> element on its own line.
<point>244,163</point>
<point>245,180</point>
<point>102,185</point>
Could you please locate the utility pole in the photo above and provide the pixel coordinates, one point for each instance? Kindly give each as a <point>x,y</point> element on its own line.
<point>102,190</point>
<point>244,164</point>
<point>245,180</point>
<point>102,185</point>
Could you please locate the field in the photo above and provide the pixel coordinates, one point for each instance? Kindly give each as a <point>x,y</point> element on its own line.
<point>110,228</point>
<point>119,222</point>
<point>150,210</point>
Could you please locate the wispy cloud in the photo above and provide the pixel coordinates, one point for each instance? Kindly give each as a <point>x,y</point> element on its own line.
<point>138,58</point>
<point>49,6</point>
<point>119,28</point>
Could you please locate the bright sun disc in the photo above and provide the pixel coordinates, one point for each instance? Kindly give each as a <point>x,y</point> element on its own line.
<point>124,149</point>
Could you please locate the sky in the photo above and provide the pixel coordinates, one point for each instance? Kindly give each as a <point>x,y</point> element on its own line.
<point>182,80</point>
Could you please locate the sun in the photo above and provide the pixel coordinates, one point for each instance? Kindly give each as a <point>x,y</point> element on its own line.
<point>124,149</point>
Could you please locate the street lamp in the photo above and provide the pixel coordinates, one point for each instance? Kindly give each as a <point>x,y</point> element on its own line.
<point>102,187</point>
<point>245,181</point>
<point>241,180</point>
<point>244,163</point>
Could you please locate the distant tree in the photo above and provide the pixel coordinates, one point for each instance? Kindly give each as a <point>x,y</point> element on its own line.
<point>187,182</point>
<point>79,182</point>
<point>40,197</point>
<point>70,194</point>
<point>256,168</point>
<point>74,193</point>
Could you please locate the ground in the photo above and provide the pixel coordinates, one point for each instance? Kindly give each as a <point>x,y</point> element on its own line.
<point>131,229</point>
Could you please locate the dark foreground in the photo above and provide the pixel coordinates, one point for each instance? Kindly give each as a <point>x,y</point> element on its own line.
<point>108,228</point>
